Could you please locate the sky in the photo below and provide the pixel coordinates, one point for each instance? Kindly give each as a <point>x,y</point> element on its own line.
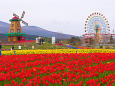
<point>63,16</point>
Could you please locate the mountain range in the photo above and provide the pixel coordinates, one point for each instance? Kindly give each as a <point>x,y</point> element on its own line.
<point>35,30</point>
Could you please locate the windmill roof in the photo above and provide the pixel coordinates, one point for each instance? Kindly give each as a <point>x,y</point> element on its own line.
<point>15,18</point>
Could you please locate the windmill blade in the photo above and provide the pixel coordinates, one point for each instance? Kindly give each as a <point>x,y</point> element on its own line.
<point>24,22</point>
<point>23,14</point>
<point>15,15</point>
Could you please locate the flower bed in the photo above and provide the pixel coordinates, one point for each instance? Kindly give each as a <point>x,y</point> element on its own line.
<point>97,69</point>
<point>96,51</point>
<point>22,52</point>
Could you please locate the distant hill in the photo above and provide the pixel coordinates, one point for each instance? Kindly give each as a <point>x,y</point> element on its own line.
<point>34,30</point>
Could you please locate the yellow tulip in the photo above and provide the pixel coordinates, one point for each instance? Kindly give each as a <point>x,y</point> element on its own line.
<point>22,52</point>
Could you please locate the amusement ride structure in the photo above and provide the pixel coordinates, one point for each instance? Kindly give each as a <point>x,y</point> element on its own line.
<point>15,32</point>
<point>97,28</point>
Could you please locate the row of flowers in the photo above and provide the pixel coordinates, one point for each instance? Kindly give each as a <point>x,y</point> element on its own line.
<point>96,51</point>
<point>93,69</point>
<point>22,52</point>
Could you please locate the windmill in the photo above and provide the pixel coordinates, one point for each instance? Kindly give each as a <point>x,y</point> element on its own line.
<point>15,32</point>
<point>15,15</point>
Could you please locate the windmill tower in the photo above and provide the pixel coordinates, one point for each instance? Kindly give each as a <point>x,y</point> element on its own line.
<point>15,32</point>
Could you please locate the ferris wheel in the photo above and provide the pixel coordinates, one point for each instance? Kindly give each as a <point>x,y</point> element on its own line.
<point>97,27</point>
<point>94,21</point>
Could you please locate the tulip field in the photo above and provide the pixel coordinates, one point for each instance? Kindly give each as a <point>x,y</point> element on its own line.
<point>48,51</point>
<point>58,69</point>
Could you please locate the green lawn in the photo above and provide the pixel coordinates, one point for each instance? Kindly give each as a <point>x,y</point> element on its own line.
<point>44,46</point>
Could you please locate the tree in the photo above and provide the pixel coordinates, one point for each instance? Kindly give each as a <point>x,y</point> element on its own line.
<point>111,39</point>
<point>76,41</point>
<point>91,41</point>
